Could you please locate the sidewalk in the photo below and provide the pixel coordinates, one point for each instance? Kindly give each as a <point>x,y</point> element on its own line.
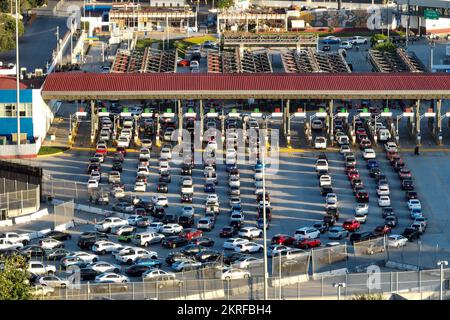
<point>60,127</point>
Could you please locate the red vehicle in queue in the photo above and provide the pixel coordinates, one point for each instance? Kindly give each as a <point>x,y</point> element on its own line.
<point>190,233</point>
<point>353,174</point>
<point>351,225</point>
<point>307,243</point>
<point>283,239</point>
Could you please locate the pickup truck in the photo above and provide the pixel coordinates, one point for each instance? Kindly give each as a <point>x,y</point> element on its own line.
<point>109,223</point>
<point>16,238</point>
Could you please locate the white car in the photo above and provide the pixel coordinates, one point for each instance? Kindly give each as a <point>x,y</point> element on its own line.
<point>105,246</point>
<point>357,40</point>
<point>133,219</point>
<point>212,199</point>
<point>212,145</point>
<point>123,142</point>
<point>92,184</point>
<point>158,274</point>
<point>325,180</point>
<point>234,182</point>
<point>383,190</point>
<point>207,170</point>
<point>163,167</point>
<point>53,281</point>
<point>320,143</point>
<point>144,153</point>
<point>276,249</point>
<point>345,45</point>
<point>245,262</point>
<point>390,147</point>
<point>155,227</point>
<point>168,134</point>
<point>331,39</point>
<point>159,200</point>
<point>104,135</point>
<point>384,201</point>
<point>6,244</point>
<point>369,153</point>
<point>132,255</point>
<point>360,217</point>
<point>344,148</point>
<point>237,216</point>
<point>16,238</point>
<point>108,223</point>
<point>331,200</point>
<point>103,266</point>
<point>233,274</point>
<point>121,229</point>
<point>362,208</point>
<point>111,277</point>
<point>95,175</point>
<point>231,243</point>
<point>321,164</point>
<point>317,124</point>
<point>171,229</point>
<point>50,243</point>
<point>85,256</point>
<point>143,170</point>
<point>250,233</point>
<point>306,233</point>
<point>140,186</point>
<point>39,268</point>
<point>249,247</point>
<point>397,241</point>
<point>414,204</point>
<point>166,153</point>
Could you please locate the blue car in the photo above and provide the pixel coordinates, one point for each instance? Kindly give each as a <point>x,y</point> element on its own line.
<point>153,263</point>
<point>260,223</point>
<point>258,165</point>
<point>331,40</point>
<point>210,187</point>
<point>372,164</point>
<point>229,167</point>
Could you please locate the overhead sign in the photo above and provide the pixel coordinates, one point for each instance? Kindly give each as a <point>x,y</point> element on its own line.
<point>431,14</point>
<point>147,115</point>
<point>321,114</point>
<point>342,114</point>
<point>168,115</point>
<point>277,114</point>
<point>386,114</point>
<point>103,114</point>
<point>81,114</point>
<point>300,114</point>
<point>430,114</point>
<point>256,114</point>
<point>364,114</point>
<point>408,114</point>
<point>125,114</point>
<point>212,115</point>
<point>447,114</point>
<point>190,115</point>
<point>234,115</point>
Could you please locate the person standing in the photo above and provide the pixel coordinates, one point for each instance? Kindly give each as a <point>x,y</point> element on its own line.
<point>416,150</point>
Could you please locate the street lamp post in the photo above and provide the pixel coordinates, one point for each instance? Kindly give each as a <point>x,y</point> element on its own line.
<point>441,264</point>
<point>17,75</point>
<point>264,219</point>
<point>339,285</point>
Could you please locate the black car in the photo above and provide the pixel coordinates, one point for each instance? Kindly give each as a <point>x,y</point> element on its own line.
<point>209,256</point>
<point>117,166</point>
<point>169,218</point>
<point>407,185</point>
<point>93,167</point>
<point>158,212</point>
<point>162,187</point>
<point>374,172</point>
<point>236,225</point>
<point>186,221</point>
<point>175,256</point>
<point>165,177</point>
<point>87,239</point>
<point>321,173</point>
<point>210,187</point>
<point>186,197</point>
<point>32,251</point>
<point>193,249</point>
<point>329,220</point>
<point>333,212</point>
<point>391,221</point>
<point>231,257</point>
<point>203,241</point>
<point>411,195</point>
<point>326,190</point>
<point>186,169</point>
<point>361,236</point>
<point>137,270</point>
<point>59,235</point>
<point>174,242</point>
<point>321,226</point>
<point>228,232</point>
<point>387,211</point>
<point>411,233</point>
<point>88,274</point>
<point>322,156</point>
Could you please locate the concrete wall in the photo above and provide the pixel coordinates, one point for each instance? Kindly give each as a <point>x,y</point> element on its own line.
<point>42,116</point>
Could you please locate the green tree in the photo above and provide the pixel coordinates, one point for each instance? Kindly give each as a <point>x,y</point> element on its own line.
<point>225,4</point>
<point>373,296</point>
<point>14,283</point>
<point>8,32</point>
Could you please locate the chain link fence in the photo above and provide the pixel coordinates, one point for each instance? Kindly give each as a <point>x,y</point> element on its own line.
<point>18,198</point>
<point>64,212</point>
<point>413,285</point>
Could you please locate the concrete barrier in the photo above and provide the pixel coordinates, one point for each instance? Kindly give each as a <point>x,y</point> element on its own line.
<point>332,273</point>
<point>39,214</point>
<point>64,226</point>
<point>23,219</point>
<point>43,232</point>
<point>6,223</point>
<point>285,281</point>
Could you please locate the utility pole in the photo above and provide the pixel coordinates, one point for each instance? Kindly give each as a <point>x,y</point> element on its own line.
<point>57,44</point>
<point>266,285</point>
<point>17,75</point>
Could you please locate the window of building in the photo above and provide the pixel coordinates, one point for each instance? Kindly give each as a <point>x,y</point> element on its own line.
<point>9,110</point>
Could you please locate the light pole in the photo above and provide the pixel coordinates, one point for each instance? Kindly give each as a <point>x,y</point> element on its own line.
<point>339,285</point>
<point>17,75</point>
<point>264,219</point>
<point>441,264</point>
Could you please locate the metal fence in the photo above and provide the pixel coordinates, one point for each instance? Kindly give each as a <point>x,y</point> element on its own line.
<point>412,285</point>
<point>65,190</point>
<point>18,198</point>
<point>64,212</point>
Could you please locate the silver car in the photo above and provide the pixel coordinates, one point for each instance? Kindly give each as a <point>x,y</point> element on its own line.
<point>337,233</point>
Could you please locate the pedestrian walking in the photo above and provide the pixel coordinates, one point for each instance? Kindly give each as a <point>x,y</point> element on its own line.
<point>416,150</point>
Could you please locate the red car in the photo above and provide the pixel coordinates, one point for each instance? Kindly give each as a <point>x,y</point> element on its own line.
<point>394,159</point>
<point>360,131</point>
<point>102,150</point>
<point>283,239</point>
<point>390,154</point>
<point>183,63</point>
<point>352,174</point>
<point>351,225</point>
<point>307,243</point>
<point>382,230</point>
<point>405,174</point>
<point>349,167</point>
<point>190,233</point>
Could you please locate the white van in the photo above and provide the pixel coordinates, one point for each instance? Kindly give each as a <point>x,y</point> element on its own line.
<point>383,190</point>
<point>147,238</point>
<point>384,135</point>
